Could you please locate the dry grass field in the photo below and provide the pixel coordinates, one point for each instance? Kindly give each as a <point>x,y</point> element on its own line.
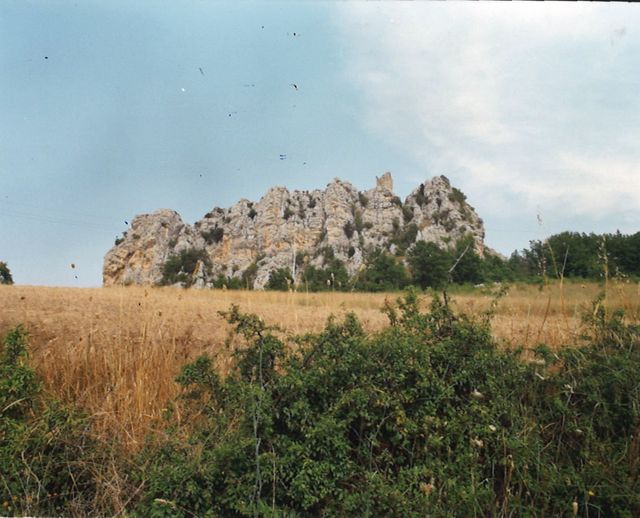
<point>115,351</point>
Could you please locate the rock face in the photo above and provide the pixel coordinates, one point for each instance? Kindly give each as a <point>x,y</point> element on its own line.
<point>290,229</point>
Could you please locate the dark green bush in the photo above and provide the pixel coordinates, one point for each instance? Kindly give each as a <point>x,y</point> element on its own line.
<point>182,267</point>
<point>213,235</point>
<point>5,274</point>
<point>288,212</point>
<point>230,283</point>
<point>426,418</point>
<point>333,276</point>
<point>404,237</point>
<point>382,273</point>
<point>457,196</point>
<point>280,280</point>
<point>349,228</point>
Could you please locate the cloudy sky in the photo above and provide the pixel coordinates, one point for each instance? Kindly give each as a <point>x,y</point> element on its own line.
<point>111,109</point>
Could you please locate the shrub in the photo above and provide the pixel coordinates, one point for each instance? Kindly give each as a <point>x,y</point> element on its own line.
<point>5,274</point>
<point>357,221</point>
<point>288,212</point>
<point>45,452</point>
<point>405,237</point>
<point>421,197</point>
<point>457,196</point>
<point>213,236</point>
<point>326,252</point>
<point>250,274</point>
<point>407,213</point>
<point>333,276</point>
<point>230,283</point>
<point>383,273</point>
<point>428,417</point>
<point>252,213</point>
<point>280,280</point>
<point>349,229</point>
<point>362,198</point>
<point>181,267</point>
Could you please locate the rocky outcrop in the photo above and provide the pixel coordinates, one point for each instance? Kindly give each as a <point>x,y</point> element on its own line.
<point>291,229</point>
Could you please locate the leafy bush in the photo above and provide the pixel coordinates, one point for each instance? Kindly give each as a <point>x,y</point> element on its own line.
<point>425,418</point>
<point>5,274</point>
<point>407,213</point>
<point>182,267</point>
<point>288,212</point>
<point>357,221</point>
<point>249,275</point>
<point>333,277</point>
<point>213,236</point>
<point>405,237</point>
<point>45,452</point>
<point>348,229</point>
<point>457,196</point>
<point>280,279</point>
<point>226,282</point>
<point>382,273</point>
<point>421,197</point>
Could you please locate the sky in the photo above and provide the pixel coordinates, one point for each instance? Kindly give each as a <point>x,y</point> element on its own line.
<point>112,109</point>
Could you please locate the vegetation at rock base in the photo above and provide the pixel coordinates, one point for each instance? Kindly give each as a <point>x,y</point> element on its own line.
<point>428,415</point>
<point>428,265</point>
<point>181,267</point>
<point>333,277</point>
<point>280,280</point>
<point>381,273</point>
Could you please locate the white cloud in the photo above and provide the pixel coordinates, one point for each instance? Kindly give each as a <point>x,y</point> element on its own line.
<point>525,104</point>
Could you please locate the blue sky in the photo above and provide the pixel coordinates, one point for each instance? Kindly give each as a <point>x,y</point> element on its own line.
<point>111,109</point>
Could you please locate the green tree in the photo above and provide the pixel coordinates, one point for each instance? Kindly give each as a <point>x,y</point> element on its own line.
<point>429,265</point>
<point>468,268</point>
<point>5,274</point>
<point>383,273</point>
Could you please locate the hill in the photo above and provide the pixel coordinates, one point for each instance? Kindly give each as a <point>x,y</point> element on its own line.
<point>291,230</point>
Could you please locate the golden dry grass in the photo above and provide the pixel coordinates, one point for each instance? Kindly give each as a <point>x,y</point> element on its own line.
<point>116,351</point>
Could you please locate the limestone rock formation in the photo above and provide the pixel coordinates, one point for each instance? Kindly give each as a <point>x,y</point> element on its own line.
<point>290,229</point>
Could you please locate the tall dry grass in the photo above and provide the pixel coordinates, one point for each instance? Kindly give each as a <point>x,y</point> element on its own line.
<point>115,352</point>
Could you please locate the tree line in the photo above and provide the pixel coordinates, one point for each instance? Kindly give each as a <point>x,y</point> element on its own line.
<point>568,254</point>
<point>426,265</point>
